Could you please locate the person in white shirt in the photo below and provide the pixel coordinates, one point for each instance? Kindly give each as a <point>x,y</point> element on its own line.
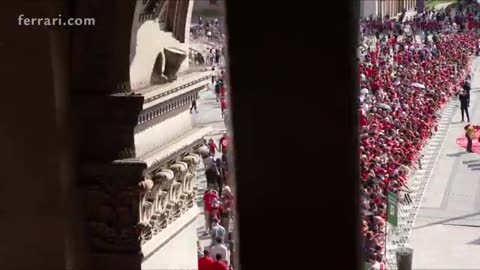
<point>220,248</point>
<point>218,231</point>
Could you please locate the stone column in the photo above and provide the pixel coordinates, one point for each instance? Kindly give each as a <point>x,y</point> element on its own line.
<point>37,194</point>
<point>112,195</point>
<point>171,13</point>
<point>181,20</point>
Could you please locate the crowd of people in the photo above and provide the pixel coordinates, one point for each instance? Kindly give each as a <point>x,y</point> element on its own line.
<point>218,205</point>
<point>208,32</point>
<point>405,80</point>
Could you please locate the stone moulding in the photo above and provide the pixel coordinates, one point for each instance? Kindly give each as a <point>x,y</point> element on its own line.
<point>158,156</point>
<point>165,110</point>
<point>156,92</point>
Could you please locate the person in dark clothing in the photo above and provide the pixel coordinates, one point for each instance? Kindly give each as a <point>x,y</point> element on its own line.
<point>463,97</point>
<point>217,56</point>
<point>220,176</point>
<point>213,76</point>
<point>194,106</point>
<point>212,174</point>
<point>218,87</point>
<point>466,86</point>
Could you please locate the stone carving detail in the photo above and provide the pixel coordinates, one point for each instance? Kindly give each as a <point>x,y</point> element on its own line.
<point>112,216</point>
<point>123,215</point>
<point>157,76</point>
<point>144,231</point>
<point>181,169</point>
<point>159,195</point>
<point>151,9</point>
<point>174,58</point>
<point>193,160</point>
<point>173,192</point>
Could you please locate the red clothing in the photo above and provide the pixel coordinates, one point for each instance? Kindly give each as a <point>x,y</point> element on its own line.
<point>224,104</point>
<point>207,200</point>
<point>220,265</point>
<point>205,263</point>
<point>222,91</point>
<point>224,143</point>
<point>212,147</point>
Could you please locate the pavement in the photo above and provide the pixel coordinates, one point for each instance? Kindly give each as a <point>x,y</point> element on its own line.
<point>209,114</point>
<point>446,232</point>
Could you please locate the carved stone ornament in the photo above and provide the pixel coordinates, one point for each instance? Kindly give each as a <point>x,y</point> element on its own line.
<point>174,58</point>
<point>123,214</point>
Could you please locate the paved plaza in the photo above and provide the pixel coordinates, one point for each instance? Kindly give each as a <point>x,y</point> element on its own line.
<point>446,232</point>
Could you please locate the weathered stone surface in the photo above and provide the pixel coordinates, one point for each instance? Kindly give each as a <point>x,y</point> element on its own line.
<point>174,58</point>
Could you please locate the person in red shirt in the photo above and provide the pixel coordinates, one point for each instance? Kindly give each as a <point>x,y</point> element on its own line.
<point>206,262</point>
<point>223,106</point>
<point>223,91</point>
<point>212,147</point>
<point>210,196</point>
<point>223,143</point>
<point>219,264</point>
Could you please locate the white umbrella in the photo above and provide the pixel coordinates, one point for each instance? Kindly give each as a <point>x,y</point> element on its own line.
<point>418,85</point>
<point>385,106</point>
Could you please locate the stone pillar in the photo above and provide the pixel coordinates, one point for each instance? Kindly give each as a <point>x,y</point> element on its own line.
<point>96,68</point>
<point>392,8</point>
<point>37,194</point>
<point>171,13</point>
<point>112,195</point>
<point>181,20</point>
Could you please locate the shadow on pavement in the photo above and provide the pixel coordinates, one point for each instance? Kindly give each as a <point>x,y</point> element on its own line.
<point>473,165</point>
<point>457,154</point>
<point>475,242</point>
<point>471,161</point>
<point>446,220</point>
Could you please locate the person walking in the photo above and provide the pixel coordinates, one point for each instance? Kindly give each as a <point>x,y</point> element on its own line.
<point>218,231</point>
<point>208,200</point>
<point>212,174</point>
<point>218,88</point>
<point>212,147</point>
<point>225,215</point>
<point>231,248</point>
<point>463,97</point>
<point>223,143</point>
<point>219,263</point>
<point>470,131</point>
<point>213,76</point>
<point>217,56</point>
<point>220,251</point>
<point>223,106</point>
<point>206,262</point>
<point>194,105</point>
<point>466,87</point>
<point>220,177</point>
<point>223,91</point>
